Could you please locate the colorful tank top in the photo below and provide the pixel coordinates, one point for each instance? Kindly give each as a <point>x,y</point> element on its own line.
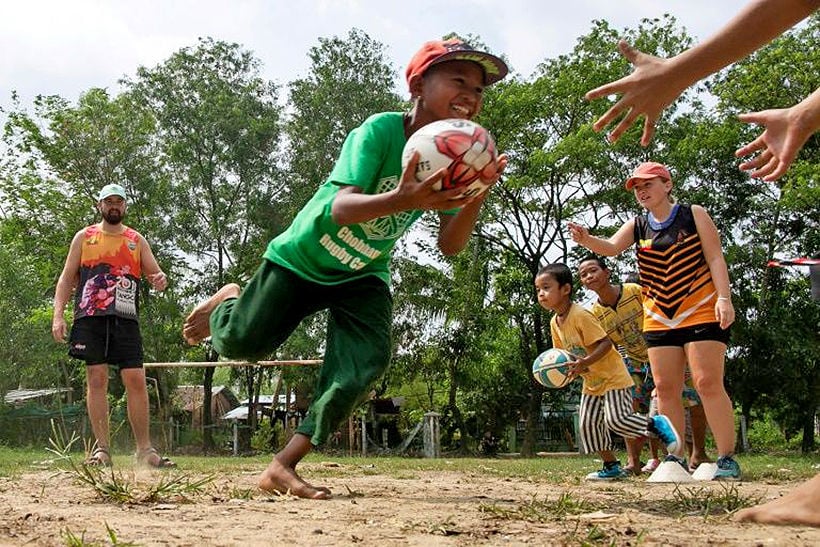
<point>109,274</point>
<point>677,286</point>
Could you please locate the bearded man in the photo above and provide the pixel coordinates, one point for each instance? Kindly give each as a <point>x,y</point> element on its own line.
<point>105,264</point>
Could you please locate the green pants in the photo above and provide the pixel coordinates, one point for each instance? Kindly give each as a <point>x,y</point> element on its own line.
<point>358,345</point>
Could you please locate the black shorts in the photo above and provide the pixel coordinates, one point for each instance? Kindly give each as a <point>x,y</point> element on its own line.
<point>681,337</point>
<point>106,339</point>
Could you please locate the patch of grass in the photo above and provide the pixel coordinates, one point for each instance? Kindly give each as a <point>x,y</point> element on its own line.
<point>542,510</point>
<point>113,486</point>
<point>71,540</point>
<point>706,500</point>
<point>560,470</point>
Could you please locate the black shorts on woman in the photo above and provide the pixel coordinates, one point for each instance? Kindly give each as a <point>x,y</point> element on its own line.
<point>682,336</point>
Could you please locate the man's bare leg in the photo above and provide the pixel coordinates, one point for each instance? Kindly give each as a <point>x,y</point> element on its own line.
<point>800,506</point>
<point>97,407</point>
<point>280,475</point>
<point>197,325</point>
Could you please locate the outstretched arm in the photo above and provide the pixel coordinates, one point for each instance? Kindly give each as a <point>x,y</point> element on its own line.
<point>656,82</point>
<point>615,245</point>
<point>786,131</point>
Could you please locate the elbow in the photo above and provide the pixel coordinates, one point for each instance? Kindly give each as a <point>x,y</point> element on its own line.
<point>338,215</point>
<point>449,248</point>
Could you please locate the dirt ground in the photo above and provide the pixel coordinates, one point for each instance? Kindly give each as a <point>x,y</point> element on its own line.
<point>428,508</point>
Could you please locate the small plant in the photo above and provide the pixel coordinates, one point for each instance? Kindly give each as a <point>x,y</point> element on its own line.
<point>541,511</point>
<point>113,486</point>
<point>177,487</point>
<point>72,540</point>
<point>708,501</point>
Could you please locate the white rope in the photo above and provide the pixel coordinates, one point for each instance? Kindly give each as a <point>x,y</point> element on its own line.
<point>199,364</point>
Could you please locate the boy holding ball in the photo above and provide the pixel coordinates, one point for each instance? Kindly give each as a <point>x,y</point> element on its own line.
<point>335,255</point>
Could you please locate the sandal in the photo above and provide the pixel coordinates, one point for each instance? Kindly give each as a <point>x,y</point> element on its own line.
<point>99,458</point>
<point>151,458</point>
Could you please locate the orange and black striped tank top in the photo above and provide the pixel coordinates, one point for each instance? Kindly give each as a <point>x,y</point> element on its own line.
<point>676,283</point>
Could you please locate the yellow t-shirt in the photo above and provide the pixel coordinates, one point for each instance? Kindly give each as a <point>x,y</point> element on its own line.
<point>624,323</point>
<point>578,335</point>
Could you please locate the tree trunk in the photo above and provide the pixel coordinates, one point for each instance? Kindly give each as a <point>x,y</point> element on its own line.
<point>807,446</point>
<point>207,418</point>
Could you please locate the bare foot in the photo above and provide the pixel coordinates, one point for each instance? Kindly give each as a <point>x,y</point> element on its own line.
<point>197,325</point>
<point>800,506</point>
<point>281,479</point>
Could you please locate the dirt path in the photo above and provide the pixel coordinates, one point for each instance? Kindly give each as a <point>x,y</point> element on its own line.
<point>426,508</point>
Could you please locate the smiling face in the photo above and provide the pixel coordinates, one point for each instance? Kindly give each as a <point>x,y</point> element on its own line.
<point>653,192</point>
<point>452,89</point>
<point>551,294</point>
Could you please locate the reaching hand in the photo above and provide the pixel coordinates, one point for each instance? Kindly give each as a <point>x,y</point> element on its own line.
<point>650,88</point>
<point>777,145</point>
<point>577,232</point>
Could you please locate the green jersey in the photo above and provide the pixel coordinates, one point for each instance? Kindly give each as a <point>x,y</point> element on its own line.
<point>316,248</point>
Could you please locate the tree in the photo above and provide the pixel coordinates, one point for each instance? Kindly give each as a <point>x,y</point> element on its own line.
<point>58,158</point>
<point>218,127</point>
<point>350,79</point>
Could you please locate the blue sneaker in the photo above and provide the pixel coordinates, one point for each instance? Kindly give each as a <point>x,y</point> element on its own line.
<point>727,469</point>
<point>661,427</point>
<point>610,472</point>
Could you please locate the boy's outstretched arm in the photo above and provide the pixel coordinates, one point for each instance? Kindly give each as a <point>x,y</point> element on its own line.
<point>352,206</point>
<point>655,82</point>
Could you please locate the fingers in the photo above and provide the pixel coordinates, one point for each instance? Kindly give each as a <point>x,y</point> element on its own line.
<point>648,131</point>
<point>58,332</point>
<point>609,116</point>
<point>753,146</point>
<point>754,117</point>
<point>158,280</point>
<point>605,90</point>
<point>625,124</point>
<point>633,56</point>
<point>630,53</point>
<point>411,168</point>
<point>577,232</point>
<point>725,314</point>
<point>781,169</point>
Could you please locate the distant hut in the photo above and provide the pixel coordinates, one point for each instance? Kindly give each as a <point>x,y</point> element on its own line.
<point>189,400</point>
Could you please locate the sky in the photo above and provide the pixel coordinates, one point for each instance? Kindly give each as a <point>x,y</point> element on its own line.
<point>66,47</point>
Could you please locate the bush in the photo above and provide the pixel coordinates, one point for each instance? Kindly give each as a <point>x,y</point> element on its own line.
<point>268,437</point>
<point>765,435</point>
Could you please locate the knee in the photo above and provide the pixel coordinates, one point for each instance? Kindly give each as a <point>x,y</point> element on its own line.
<point>133,380</point>
<point>231,341</point>
<point>707,386</point>
<point>97,380</point>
